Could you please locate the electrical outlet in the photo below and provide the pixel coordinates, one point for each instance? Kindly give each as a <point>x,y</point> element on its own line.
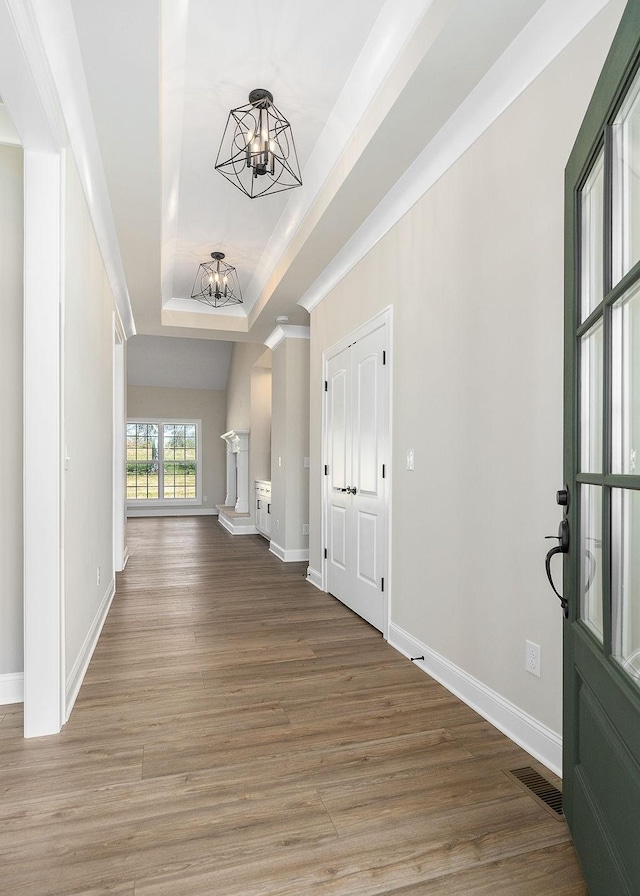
<point>532,658</point>
<point>305,528</point>
<point>97,575</point>
<point>204,499</point>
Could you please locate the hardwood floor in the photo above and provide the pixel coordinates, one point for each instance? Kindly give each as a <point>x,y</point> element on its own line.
<point>239,732</point>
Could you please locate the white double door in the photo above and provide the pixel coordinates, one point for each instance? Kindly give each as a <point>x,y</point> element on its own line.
<point>356,475</point>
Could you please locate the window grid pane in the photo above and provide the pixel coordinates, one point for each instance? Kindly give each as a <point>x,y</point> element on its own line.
<point>625,393</point>
<point>591,559</point>
<point>592,240</point>
<point>161,468</point>
<point>625,595</point>
<point>591,399</point>
<point>626,186</point>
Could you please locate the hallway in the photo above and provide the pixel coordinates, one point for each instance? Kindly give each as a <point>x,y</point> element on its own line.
<point>240,732</point>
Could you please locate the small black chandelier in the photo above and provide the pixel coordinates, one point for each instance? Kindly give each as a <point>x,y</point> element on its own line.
<point>257,153</point>
<point>216,283</point>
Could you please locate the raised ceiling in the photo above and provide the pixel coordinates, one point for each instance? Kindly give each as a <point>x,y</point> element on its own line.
<point>367,85</point>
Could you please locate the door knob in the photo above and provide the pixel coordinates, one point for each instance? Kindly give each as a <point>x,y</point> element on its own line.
<point>352,489</point>
<point>561,548</point>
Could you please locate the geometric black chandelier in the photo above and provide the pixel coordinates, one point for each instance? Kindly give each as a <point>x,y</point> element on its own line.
<point>257,153</point>
<point>216,283</point>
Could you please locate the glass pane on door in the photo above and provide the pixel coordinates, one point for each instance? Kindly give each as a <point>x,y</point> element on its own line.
<point>591,399</point>
<point>591,558</point>
<point>592,239</point>
<point>625,580</point>
<point>626,184</point>
<point>625,383</point>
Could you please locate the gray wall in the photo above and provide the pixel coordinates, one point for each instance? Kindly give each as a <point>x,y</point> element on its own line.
<point>249,407</point>
<point>208,405</point>
<point>475,274</point>
<point>290,444</point>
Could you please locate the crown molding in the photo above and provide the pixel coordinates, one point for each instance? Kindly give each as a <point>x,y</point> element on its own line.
<point>548,33</point>
<point>286,332</point>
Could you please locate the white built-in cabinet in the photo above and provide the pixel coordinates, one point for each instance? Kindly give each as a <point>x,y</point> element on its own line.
<point>263,507</point>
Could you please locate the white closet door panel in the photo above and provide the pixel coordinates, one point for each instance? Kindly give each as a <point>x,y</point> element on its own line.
<point>366,549</point>
<point>338,537</point>
<point>366,423</point>
<point>340,443</point>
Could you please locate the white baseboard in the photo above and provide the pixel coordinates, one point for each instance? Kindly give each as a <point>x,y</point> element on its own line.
<point>530,734</point>
<point>294,555</point>
<point>240,527</point>
<point>133,512</point>
<point>11,688</point>
<point>315,578</point>
<point>76,676</point>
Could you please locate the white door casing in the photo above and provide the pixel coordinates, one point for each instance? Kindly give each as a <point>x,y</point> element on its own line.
<point>357,463</point>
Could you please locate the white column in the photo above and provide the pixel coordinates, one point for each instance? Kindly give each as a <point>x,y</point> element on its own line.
<point>242,467</point>
<point>230,499</point>
<point>237,469</point>
<point>119,452</point>
<point>43,463</point>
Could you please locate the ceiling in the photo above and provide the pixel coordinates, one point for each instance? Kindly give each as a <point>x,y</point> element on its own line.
<point>366,86</point>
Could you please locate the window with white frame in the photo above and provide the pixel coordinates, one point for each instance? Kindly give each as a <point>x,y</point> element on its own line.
<point>163,461</point>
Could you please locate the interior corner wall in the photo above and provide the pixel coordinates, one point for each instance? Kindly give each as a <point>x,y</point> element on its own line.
<point>243,357</point>
<point>278,443</point>
<point>243,409</point>
<point>260,439</point>
<point>297,444</point>
<point>208,405</point>
<point>11,358</point>
<point>290,445</point>
<point>88,433</point>
<point>475,270</point>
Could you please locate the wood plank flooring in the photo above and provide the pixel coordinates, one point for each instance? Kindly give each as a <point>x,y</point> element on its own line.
<point>239,732</point>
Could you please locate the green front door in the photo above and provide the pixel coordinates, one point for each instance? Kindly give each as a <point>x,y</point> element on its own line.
<point>602,470</point>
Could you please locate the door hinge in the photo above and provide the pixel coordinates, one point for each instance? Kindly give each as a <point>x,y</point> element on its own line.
<point>326,469</point>
<point>384,358</point>
<point>325,554</point>
<point>326,386</point>
<point>383,471</point>
<point>382,585</point>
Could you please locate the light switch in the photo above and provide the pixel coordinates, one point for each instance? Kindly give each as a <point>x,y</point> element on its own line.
<point>410,465</point>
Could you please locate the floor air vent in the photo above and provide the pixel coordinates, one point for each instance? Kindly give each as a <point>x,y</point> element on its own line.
<point>545,793</point>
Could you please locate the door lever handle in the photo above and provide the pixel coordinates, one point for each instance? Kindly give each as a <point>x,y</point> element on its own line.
<point>353,489</point>
<point>561,548</point>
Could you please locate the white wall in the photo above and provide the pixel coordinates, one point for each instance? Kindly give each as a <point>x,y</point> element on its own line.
<point>88,431</point>
<point>208,405</point>
<point>475,273</point>
<point>11,546</point>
